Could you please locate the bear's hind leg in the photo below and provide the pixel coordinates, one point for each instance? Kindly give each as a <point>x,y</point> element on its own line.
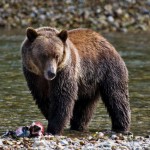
<point>82,113</point>
<point>115,97</point>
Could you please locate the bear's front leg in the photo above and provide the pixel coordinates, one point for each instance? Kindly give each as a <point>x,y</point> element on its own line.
<point>63,97</point>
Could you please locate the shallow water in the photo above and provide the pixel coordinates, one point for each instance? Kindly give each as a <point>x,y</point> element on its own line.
<point>18,109</point>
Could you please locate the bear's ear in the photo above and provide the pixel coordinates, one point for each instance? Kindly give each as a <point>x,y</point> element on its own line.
<point>31,34</point>
<point>63,35</point>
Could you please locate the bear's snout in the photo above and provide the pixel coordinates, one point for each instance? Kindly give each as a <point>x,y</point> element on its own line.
<point>50,70</point>
<point>51,74</point>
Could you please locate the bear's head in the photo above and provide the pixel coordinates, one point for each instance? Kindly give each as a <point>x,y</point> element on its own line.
<point>44,51</point>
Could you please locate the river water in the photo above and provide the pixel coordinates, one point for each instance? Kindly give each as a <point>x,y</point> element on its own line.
<point>18,109</point>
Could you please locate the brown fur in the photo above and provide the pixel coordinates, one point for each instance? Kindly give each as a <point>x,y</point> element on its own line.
<point>67,72</point>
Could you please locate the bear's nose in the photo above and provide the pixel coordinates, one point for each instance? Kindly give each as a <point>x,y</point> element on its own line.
<point>51,74</point>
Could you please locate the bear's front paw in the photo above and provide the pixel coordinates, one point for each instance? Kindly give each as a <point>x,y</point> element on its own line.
<point>54,130</point>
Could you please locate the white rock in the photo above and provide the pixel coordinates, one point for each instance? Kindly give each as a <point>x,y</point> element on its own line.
<point>1,142</point>
<point>64,142</point>
<point>119,11</point>
<point>110,19</point>
<point>100,134</point>
<point>90,137</point>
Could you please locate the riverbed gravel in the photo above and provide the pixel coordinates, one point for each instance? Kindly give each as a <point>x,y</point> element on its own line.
<point>104,15</point>
<point>96,141</point>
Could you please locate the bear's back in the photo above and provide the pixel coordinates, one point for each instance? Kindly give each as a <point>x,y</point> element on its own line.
<point>83,35</point>
<point>89,43</point>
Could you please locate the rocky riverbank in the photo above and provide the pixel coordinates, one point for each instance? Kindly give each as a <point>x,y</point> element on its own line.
<point>98,141</point>
<point>104,15</point>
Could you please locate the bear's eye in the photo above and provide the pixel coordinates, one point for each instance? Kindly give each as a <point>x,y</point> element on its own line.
<point>43,57</point>
<point>56,57</point>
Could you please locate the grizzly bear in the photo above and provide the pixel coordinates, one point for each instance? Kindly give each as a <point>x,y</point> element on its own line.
<point>68,71</point>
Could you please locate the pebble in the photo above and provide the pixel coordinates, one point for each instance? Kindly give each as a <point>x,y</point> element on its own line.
<point>42,17</point>
<point>1,143</point>
<point>110,19</point>
<point>100,134</point>
<point>64,142</point>
<point>119,12</point>
<point>114,137</point>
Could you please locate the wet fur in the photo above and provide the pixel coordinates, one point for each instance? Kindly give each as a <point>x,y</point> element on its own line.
<point>93,69</point>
